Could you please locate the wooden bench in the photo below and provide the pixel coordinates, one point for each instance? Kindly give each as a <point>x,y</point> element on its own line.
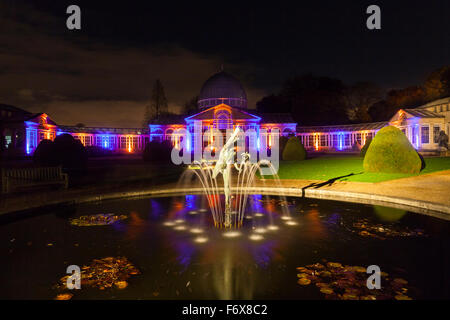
<point>30,177</point>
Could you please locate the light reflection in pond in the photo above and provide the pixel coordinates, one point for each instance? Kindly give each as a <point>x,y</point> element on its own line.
<point>173,247</point>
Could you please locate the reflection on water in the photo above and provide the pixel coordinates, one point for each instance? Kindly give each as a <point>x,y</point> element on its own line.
<point>181,256</point>
<point>315,226</point>
<point>389,214</point>
<point>233,256</point>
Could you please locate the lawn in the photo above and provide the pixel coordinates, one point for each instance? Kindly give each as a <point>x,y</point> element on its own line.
<point>349,168</point>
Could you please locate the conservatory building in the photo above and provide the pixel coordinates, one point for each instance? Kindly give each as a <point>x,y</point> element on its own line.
<point>222,105</point>
<point>421,125</point>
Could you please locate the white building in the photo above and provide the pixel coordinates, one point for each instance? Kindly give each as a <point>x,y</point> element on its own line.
<point>422,125</point>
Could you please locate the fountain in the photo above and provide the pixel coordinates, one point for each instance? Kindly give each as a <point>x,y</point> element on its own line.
<point>233,213</point>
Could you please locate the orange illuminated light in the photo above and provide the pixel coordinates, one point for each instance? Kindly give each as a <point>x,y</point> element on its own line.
<point>316,141</point>
<point>129,140</point>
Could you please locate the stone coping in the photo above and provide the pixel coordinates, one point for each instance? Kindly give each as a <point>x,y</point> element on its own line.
<point>424,207</point>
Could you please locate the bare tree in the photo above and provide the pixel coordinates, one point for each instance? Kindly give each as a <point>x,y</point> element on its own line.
<point>158,103</point>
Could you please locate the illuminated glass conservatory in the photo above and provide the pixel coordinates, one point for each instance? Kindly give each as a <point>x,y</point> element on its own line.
<point>222,105</point>
<point>422,126</point>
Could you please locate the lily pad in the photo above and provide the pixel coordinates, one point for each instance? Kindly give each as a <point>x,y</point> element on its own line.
<point>64,296</point>
<point>304,281</point>
<point>105,273</point>
<point>365,228</point>
<point>326,290</point>
<point>402,297</point>
<point>97,220</point>
<point>345,282</point>
<point>121,284</point>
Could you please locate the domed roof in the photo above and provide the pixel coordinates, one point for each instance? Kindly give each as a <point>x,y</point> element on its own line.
<point>222,86</point>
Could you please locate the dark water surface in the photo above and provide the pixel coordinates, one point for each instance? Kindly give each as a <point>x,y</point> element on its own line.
<point>181,256</point>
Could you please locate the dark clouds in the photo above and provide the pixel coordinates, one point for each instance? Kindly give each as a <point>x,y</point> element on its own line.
<point>102,75</point>
<point>94,83</point>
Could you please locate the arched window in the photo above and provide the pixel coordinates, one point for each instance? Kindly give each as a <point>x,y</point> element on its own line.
<point>169,133</point>
<point>157,135</point>
<point>275,129</point>
<point>223,120</point>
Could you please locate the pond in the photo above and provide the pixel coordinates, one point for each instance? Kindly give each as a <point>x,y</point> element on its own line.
<point>180,255</point>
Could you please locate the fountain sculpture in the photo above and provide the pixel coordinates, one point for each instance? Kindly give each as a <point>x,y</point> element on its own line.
<point>235,203</point>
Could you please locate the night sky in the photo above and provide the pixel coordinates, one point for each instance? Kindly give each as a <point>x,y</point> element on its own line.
<point>102,75</point>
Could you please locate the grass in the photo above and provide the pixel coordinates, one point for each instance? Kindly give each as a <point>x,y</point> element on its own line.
<point>331,167</point>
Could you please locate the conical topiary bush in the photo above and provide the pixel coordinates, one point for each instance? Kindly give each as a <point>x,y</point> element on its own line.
<point>390,151</point>
<point>294,150</point>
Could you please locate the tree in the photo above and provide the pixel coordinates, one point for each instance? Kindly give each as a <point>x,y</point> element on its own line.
<point>316,100</point>
<point>437,84</point>
<point>381,111</point>
<point>273,104</point>
<point>408,97</point>
<point>190,106</point>
<point>158,103</point>
<point>359,98</point>
<point>310,99</point>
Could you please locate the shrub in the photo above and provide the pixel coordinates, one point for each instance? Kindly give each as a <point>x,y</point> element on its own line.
<point>365,147</point>
<point>96,151</point>
<point>443,140</point>
<point>64,151</point>
<point>44,155</point>
<point>294,150</point>
<point>391,152</point>
<point>70,152</point>
<point>158,151</point>
<point>356,146</point>
<point>282,144</point>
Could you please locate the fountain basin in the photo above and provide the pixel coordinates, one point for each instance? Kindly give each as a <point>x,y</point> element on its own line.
<point>248,265</point>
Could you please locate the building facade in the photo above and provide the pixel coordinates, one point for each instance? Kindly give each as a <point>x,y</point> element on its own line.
<point>421,125</point>
<point>222,105</point>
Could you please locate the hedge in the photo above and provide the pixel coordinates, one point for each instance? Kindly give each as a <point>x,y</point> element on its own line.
<point>294,150</point>
<point>390,151</point>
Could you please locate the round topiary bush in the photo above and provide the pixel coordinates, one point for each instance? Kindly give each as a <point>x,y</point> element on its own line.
<point>70,153</point>
<point>391,152</point>
<point>64,151</point>
<point>365,147</point>
<point>44,155</point>
<point>158,151</point>
<point>294,150</point>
